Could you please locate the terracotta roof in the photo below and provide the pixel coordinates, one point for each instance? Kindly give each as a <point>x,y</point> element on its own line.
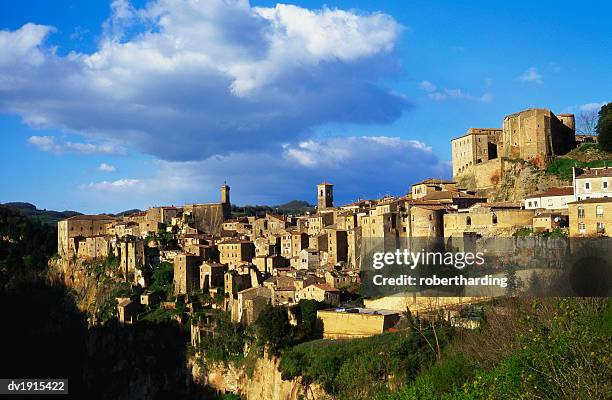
<point>449,194</point>
<point>433,181</point>
<point>596,173</point>
<point>593,200</point>
<point>326,287</point>
<point>234,241</point>
<point>556,191</point>
<point>499,204</point>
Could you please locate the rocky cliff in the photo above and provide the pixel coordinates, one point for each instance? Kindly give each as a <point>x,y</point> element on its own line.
<point>261,380</point>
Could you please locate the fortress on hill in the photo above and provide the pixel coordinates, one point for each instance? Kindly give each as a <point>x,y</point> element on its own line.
<point>535,135</point>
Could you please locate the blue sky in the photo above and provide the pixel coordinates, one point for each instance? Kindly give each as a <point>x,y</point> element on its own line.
<point>110,106</point>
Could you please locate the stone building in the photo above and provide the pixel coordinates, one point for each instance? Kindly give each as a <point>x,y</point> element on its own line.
<point>163,215</point>
<point>535,135</point>
<point>250,303</point>
<point>212,275</point>
<point>95,247</point>
<point>309,259</point>
<point>292,242</point>
<point>127,311</point>
<point>591,217</point>
<point>356,322</point>
<point>131,253</point>
<point>317,222</point>
<point>236,282</point>
<point>186,273</point>
<point>338,279</point>
<point>209,217</point>
<point>321,292</point>
<point>71,230</point>
<point>548,221</point>
<point>325,196</point>
<point>428,186</point>
<point>337,245</point>
<point>235,252</point>
<point>552,199</point>
<point>422,220</point>
<point>126,228</point>
<point>488,219</point>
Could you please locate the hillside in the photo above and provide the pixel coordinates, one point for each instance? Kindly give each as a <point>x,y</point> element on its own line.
<point>45,216</point>
<point>522,179</point>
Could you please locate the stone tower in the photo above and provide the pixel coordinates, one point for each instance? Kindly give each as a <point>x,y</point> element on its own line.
<point>225,193</point>
<point>325,195</point>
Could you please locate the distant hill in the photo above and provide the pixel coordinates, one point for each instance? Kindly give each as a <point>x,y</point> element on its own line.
<point>45,216</point>
<point>128,212</point>
<point>294,207</point>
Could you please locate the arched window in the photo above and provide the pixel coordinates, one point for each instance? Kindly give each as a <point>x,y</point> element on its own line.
<point>468,221</point>
<point>494,218</point>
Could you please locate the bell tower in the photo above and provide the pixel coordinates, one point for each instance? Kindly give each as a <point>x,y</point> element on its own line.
<point>325,195</point>
<point>225,193</point>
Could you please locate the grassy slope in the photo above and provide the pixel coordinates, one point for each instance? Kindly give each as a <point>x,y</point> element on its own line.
<point>549,349</point>
<point>587,155</point>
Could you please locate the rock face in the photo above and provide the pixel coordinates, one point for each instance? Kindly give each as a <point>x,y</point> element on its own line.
<point>264,383</point>
<point>519,179</point>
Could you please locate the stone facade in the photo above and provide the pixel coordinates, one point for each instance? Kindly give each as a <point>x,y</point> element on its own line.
<point>80,226</point>
<point>320,292</point>
<point>535,135</point>
<point>488,219</point>
<point>591,217</point>
<point>592,183</point>
<point>186,273</point>
<point>356,323</point>
<point>325,196</point>
<point>235,252</point>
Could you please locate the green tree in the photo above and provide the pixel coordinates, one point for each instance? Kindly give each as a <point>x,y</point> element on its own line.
<point>162,277</point>
<point>273,328</point>
<point>604,127</point>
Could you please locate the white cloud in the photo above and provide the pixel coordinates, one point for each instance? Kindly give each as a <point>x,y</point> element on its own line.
<point>445,94</point>
<point>590,107</point>
<point>115,186</point>
<point>346,151</point>
<point>104,167</point>
<point>353,164</point>
<point>437,96</point>
<point>427,86</point>
<point>487,97</point>
<point>532,75</point>
<point>187,80</point>
<point>23,45</point>
<point>52,145</point>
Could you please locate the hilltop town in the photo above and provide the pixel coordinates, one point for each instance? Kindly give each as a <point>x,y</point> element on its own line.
<point>243,264</point>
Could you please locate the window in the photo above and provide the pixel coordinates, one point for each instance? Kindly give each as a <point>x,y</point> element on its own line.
<point>581,227</point>
<point>494,218</point>
<point>599,211</point>
<point>604,184</point>
<point>580,212</point>
<point>601,227</point>
<point>468,221</point>
<point>587,185</point>
<point>529,204</point>
<point>550,202</point>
